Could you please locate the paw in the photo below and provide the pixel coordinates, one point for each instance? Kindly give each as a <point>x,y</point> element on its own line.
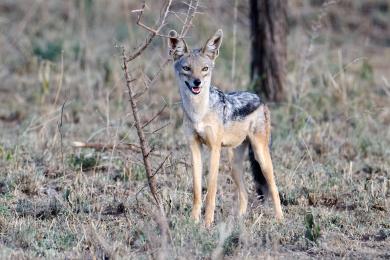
<point>279,216</point>
<point>195,215</point>
<point>243,207</point>
<point>209,219</point>
<point>208,223</point>
<point>242,212</point>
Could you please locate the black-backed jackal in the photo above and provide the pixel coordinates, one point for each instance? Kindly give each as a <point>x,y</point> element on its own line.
<point>237,120</point>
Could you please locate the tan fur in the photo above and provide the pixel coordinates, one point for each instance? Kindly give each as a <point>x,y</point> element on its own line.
<point>215,136</point>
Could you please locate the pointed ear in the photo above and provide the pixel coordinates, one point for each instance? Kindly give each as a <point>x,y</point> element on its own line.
<point>177,47</point>
<point>211,49</point>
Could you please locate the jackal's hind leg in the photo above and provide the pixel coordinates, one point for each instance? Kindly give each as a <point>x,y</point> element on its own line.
<point>259,142</point>
<point>236,159</point>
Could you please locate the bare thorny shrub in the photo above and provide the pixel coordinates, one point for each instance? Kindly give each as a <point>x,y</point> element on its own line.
<point>131,81</point>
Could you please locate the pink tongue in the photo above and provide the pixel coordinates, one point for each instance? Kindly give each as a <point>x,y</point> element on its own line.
<point>196,90</point>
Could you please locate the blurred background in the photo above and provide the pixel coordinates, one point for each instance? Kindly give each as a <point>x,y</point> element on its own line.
<point>61,81</point>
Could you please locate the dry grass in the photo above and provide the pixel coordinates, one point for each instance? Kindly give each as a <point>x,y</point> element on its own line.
<point>330,141</point>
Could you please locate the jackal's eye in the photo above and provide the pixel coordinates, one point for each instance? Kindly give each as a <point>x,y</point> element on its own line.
<point>205,68</point>
<point>186,68</point>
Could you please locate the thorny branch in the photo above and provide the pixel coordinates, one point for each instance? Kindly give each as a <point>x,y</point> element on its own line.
<point>126,58</point>
<point>162,19</point>
<point>190,16</point>
<point>130,81</point>
<point>192,8</point>
<point>153,32</point>
<point>141,135</point>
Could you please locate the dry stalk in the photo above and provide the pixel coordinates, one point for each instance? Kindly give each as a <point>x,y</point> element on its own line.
<point>59,125</point>
<point>234,54</point>
<point>92,234</point>
<point>316,27</point>
<point>60,79</point>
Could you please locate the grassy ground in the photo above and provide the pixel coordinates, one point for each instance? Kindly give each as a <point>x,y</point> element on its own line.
<point>330,140</point>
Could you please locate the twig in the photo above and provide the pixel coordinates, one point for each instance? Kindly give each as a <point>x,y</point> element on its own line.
<point>141,48</point>
<point>60,80</point>
<point>141,24</point>
<point>160,128</point>
<point>152,80</point>
<point>162,163</point>
<point>91,233</point>
<point>316,27</point>
<point>155,116</point>
<point>138,192</point>
<point>59,125</point>
<point>155,172</point>
<point>234,41</point>
<point>162,66</point>
<point>153,32</point>
<point>178,17</point>
<point>190,16</point>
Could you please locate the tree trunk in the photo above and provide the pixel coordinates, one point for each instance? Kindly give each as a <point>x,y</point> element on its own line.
<point>268,38</point>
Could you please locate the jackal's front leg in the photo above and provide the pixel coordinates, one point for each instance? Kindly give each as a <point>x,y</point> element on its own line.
<point>195,147</point>
<point>212,185</point>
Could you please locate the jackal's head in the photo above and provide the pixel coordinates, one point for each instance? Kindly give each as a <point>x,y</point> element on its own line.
<point>193,68</point>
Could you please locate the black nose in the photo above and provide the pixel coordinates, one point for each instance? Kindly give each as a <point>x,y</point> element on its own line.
<point>197,82</point>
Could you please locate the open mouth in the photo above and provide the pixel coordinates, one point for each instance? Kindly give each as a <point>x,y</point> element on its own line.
<point>195,89</point>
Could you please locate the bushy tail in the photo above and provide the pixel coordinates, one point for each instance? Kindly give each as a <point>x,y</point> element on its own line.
<point>260,181</point>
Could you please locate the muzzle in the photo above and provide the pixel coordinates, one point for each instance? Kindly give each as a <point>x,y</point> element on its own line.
<point>196,88</point>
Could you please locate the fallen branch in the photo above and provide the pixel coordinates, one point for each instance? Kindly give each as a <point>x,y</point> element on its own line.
<point>104,147</point>
<point>131,147</point>
<point>99,146</point>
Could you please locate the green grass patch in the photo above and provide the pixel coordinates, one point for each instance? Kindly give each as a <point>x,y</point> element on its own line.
<point>83,162</point>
